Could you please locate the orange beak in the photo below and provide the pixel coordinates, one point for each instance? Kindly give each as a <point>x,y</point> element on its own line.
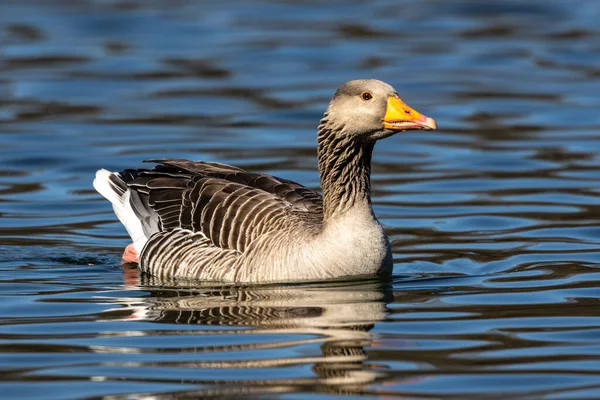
<point>400,117</point>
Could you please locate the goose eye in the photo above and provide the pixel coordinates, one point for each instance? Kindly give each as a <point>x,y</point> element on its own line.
<point>366,96</point>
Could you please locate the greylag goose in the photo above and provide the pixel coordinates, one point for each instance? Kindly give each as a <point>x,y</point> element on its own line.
<point>217,222</point>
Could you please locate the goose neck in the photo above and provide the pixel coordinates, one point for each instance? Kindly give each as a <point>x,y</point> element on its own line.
<point>344,168</point>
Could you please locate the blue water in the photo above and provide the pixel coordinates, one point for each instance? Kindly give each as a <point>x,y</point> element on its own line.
<point>494,218</point>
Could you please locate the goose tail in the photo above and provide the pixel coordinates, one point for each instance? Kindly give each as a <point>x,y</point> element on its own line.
<point>113,186</point>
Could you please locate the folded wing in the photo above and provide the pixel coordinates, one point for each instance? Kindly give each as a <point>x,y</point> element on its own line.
<point>228,205</point>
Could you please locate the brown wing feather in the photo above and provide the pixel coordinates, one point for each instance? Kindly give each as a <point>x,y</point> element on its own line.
<point>229,206</point>
<point>298,195</point>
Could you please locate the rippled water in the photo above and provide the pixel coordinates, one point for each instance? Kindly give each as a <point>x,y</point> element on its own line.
<point>494,218</point>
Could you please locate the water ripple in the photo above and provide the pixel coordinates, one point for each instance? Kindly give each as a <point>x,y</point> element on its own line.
<point>493,218</point>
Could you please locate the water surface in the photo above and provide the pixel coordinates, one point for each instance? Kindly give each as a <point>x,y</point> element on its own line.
<point>494,218</point>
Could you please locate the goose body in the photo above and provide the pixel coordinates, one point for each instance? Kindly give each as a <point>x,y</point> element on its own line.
<point>217,222</point>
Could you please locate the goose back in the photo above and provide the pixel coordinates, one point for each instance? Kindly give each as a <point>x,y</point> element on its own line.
<point>228,205</point>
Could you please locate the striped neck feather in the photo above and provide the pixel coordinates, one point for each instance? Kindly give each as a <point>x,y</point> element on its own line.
<point>344,168</point>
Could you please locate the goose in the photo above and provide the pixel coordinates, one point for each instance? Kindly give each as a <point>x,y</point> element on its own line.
<point>216,222</point>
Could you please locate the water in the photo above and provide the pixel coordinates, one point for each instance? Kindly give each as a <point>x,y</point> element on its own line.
<point>494,218</point>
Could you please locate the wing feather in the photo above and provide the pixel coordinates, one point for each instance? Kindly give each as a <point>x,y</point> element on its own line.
<point>229,206</point>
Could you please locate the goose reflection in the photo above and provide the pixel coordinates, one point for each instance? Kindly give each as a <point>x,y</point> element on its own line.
<point>327,326</point>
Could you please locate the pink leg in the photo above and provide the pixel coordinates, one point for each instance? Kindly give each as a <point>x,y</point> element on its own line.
<point>129,255</point>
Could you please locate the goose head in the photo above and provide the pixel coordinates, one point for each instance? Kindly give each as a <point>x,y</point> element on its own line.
<point>370,110</point>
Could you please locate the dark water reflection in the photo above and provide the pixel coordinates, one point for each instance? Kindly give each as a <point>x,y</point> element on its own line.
<point>333,318</point>
<point>494,218</point>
